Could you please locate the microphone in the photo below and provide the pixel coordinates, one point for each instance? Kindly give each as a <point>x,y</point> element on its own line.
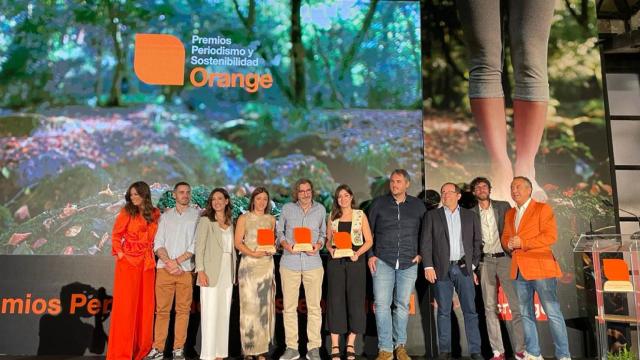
<point>590,232</point>
<point>635,235</point>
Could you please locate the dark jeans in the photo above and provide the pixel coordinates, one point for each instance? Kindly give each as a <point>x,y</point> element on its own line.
<point>465,288</point>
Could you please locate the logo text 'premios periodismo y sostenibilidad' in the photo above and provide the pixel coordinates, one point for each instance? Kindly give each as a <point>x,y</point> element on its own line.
<point>159,59</point>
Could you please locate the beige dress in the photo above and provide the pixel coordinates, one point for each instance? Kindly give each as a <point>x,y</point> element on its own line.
<point>256,282</point>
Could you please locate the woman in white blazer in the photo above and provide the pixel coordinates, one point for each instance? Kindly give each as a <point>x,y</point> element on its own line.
<point>215,266</point>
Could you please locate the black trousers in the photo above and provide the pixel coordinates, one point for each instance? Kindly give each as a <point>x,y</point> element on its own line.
<point>346,283</point>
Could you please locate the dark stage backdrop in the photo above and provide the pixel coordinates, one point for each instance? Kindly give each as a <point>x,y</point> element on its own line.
<point>571,169</point>
<point>60,305</point>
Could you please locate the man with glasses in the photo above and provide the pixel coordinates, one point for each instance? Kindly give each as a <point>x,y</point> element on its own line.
<point>451,252</point>
<point>302,267</point>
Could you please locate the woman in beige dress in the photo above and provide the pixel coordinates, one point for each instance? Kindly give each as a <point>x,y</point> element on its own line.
<point>256,278</point>
<point>215,266</point>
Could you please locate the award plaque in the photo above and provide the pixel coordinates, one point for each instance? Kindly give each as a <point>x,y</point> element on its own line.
<point>302,239</point>
<point>617,273</point>
<point>266,241</point>
<point>342,241</point>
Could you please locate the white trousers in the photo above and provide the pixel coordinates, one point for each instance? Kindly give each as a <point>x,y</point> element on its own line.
<point>215,309</point>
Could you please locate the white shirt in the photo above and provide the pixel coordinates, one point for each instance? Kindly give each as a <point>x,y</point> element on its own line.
<point>227,240</point>
<point>520,212</point>
<point>176,233</point>
<point>490,234</point>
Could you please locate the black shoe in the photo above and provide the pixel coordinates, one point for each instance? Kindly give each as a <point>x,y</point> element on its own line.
<point>335,352</point>
<point>444,356</point>
<point>477,356</point>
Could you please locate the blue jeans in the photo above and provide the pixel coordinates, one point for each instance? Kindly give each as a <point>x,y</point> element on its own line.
<point>385,279</point>
<point>467,294</point>
<point>546,289</point>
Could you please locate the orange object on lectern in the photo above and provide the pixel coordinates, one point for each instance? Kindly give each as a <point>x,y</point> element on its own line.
<point>615,269</point>
<point>302,235</point>
<point>266,237</point>
<point>342,240</point>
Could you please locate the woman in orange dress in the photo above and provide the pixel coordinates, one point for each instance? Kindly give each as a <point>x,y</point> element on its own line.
<point>131,329</point>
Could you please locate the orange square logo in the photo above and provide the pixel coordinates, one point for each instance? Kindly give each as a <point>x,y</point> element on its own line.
<point>159,59</point>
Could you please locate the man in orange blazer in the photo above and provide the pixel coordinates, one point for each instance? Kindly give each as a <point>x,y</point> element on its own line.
<point>529,232</point>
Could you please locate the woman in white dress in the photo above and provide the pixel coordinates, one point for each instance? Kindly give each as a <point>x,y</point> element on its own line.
<point>215,265</point>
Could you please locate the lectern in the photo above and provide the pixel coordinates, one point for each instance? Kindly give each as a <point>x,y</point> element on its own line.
<point>616,266</point>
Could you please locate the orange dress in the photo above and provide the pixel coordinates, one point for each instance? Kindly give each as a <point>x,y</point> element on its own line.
<point>131,327</point>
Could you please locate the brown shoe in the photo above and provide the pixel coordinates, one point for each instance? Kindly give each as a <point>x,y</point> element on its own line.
<point>384,355</point>
<point>401,353</point>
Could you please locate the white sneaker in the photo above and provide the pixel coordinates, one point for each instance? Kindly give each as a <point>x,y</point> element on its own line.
<point>178,354</point>
<point>565,358</point>
<point>531,357</point>
<point>154,354</point>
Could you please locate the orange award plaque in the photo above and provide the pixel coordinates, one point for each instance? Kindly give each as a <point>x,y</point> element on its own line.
<point>266,241</point>
<point>342,241</point>
<point>617,273</point>
<point>302,239</point>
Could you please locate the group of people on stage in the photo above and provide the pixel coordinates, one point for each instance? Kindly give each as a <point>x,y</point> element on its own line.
<point>398,239</point>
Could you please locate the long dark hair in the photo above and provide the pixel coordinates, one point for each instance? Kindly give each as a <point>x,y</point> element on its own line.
<point>257,191</point>
<point>147,206</point>
<point>336,210</point>
<point>210,213</point>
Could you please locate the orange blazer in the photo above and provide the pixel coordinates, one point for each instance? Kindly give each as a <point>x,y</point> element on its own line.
<point>538,233</point>
<point>133,237</point>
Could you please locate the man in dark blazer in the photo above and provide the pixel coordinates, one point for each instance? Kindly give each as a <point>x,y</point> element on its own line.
<point>496,263</point>
<point>451,249</point>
